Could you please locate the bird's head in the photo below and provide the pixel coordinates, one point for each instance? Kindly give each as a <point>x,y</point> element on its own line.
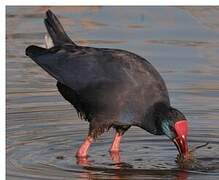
<point>175,127</point>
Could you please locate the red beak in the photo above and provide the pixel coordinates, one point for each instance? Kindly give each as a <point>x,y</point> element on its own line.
<point>181,128</point>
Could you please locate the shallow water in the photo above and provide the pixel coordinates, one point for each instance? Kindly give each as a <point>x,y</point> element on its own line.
<point>43,130</point>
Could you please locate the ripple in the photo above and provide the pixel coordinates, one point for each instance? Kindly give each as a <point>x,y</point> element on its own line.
<point>40,152</point>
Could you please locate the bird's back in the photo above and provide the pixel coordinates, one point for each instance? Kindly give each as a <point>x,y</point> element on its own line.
<point>112,81</point>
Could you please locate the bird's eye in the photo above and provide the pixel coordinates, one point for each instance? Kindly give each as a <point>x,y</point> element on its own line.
<point>173,131</point>
<point>172,128</point>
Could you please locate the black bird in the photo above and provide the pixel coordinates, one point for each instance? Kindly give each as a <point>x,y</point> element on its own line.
<point>109,88</point>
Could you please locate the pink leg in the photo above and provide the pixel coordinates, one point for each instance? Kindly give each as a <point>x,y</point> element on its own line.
<point>115,147</point>
<point>115,156</point>
<point>83,150</point>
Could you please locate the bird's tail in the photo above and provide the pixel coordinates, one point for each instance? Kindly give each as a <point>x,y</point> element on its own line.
<point>55,30</point>
<point>34,51</point>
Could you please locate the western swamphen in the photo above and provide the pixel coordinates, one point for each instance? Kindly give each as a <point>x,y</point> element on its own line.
<point>109,88</point>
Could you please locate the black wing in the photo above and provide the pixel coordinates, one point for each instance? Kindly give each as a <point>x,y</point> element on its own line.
<point>78,67</point>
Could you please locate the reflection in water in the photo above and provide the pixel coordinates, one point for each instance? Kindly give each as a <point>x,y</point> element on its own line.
<point>182,175</point>
<point>121,170</point>
<point>43,131</point>
<point>129,173</point>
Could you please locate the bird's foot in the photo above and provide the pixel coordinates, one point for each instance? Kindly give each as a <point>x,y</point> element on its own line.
<point>82,161</point>
<point>81,154</point>
<point>83,150</point>
<point>115,156</point>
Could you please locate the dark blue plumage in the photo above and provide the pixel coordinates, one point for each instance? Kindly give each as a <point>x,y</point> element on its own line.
<point>108,87</point>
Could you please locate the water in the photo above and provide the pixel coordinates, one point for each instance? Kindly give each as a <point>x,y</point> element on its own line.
<point>43,130</point>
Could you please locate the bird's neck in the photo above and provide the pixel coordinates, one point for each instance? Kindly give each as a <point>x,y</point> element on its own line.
<point>153,120</point>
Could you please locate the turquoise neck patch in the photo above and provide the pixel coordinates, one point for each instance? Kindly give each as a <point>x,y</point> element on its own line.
<point>166,128</point>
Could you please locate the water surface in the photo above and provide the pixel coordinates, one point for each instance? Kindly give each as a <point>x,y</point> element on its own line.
<point>43,130</point>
